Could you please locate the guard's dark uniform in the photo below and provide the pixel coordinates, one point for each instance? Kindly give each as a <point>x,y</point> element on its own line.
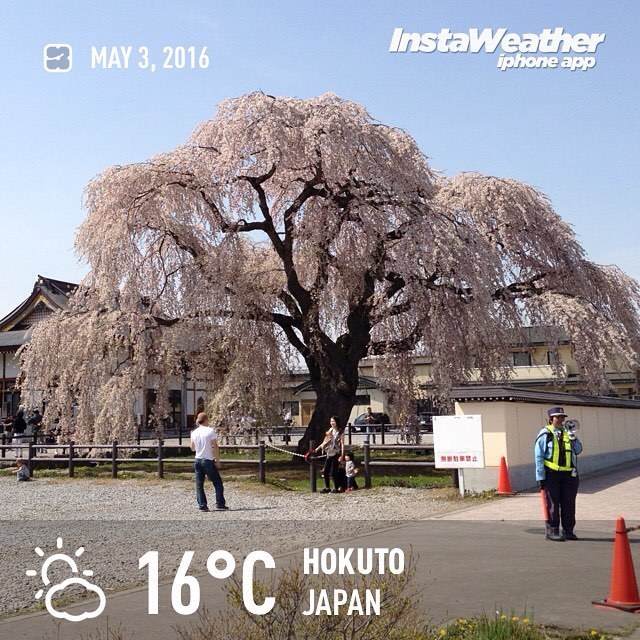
<point>555,454</point>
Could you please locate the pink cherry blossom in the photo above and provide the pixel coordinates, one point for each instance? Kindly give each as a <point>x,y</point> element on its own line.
<point>288,232</point>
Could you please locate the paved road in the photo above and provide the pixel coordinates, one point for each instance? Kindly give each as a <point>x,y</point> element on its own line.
<point>485,557</point>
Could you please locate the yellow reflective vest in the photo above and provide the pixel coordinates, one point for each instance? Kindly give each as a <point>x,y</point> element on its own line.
<point>554,462</point>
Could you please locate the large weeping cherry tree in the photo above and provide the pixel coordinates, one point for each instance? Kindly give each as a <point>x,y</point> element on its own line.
<point>289,231</point>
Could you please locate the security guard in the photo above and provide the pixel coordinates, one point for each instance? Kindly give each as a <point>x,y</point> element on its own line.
<point>555,454</point>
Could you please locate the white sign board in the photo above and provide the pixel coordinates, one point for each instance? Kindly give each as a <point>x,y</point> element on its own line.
<point>457,442</point>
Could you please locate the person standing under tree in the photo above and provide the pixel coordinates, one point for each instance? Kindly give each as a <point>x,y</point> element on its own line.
<point>350,471</point>
<point>204,441</point>
<point>35,422</point>
<point>19,426</point>
<point>370,421</point>
<point>555,453</point>
<point>333,446</point>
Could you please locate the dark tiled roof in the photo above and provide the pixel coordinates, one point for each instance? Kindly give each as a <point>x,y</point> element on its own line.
<point>57,286</point>
<point>57,292</point>
<point>536,336</point>
<point>515,394</point>
<point>11,340</point>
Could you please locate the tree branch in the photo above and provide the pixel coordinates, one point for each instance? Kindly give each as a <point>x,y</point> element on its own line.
<point>397,346</point>
<point>287,325</point>
<point>525,289</point>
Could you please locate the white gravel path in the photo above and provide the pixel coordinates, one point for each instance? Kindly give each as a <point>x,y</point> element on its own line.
<point>117,521</point>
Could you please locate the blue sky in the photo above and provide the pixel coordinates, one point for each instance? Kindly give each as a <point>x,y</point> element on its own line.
<point>574,135</point>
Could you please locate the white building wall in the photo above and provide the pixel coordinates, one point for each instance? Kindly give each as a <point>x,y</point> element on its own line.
<point>609,435</point>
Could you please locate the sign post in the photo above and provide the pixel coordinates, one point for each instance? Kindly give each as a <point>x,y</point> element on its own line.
<point>458,444</point>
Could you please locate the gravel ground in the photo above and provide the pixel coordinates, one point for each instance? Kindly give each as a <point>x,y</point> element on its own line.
<point>117,521</point>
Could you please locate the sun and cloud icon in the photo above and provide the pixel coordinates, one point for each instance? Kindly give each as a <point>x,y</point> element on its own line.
<point>54,589</point>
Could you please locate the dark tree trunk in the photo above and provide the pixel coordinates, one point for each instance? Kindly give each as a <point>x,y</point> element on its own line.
<point>333,365</point>
<point>336,387</point>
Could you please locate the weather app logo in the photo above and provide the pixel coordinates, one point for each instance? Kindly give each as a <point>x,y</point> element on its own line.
<point>58,58</point>
<point>53,589</point>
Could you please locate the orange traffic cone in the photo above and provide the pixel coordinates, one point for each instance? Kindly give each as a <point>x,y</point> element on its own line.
<point>623,593</point>
<point>504,484</point>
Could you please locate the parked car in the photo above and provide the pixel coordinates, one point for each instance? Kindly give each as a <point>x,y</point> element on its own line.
<point>359,424</point>
<point>425,420</point>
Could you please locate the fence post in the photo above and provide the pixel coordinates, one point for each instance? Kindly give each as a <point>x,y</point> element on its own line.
<point>382,432</point>
<point>4,442</point>
<point>349,433</point>
<point>312,467</point>
<point>71,461</point>
<point>160,460</point>
<point>261,462</point>
<point>114,459</point>
<point>30,452</point>
<point>367,465</point>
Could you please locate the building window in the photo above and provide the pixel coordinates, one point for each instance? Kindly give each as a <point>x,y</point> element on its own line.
<point>363,399</point>
<point>293,408</point>
<point>521,359</point>
<point>175,402</point>
<point>552,358</point>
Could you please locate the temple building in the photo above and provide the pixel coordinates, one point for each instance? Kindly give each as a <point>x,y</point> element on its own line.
<point>47,296</point>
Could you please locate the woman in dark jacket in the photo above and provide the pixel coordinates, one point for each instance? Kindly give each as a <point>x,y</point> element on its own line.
<point>18,427</point>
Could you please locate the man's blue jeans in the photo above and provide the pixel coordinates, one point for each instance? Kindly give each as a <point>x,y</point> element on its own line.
<point>207,468</point>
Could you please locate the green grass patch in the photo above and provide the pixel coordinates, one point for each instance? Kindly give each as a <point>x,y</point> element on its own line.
<point>297,478</point>
<point>414,481</point>
<point>509,627</point>
<point>281,471</point>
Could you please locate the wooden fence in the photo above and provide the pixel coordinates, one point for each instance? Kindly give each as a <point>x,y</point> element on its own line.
<point>71,454</point>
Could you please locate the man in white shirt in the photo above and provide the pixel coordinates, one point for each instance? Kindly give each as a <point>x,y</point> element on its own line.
<point>204,441</point>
